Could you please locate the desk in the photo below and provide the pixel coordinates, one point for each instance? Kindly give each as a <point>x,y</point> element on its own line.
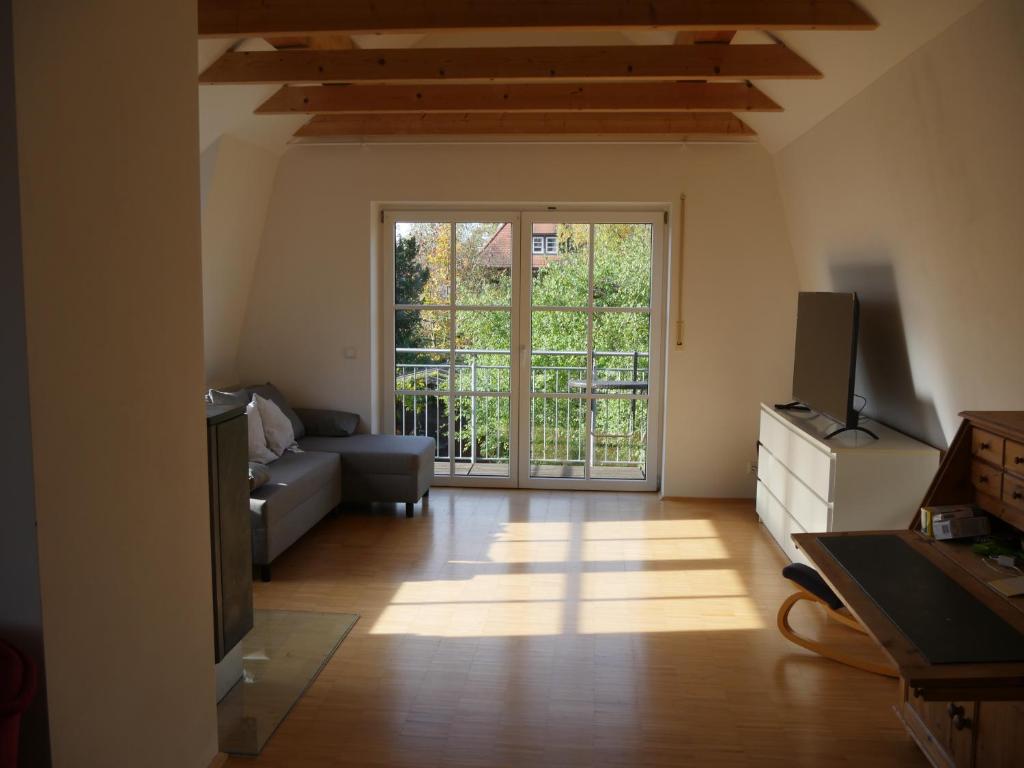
<point>1003,681</point>
<point>960,715</point>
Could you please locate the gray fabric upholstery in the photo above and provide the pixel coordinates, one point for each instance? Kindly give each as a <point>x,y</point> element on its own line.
<point>324,423</point>
<point>303,487</point>
<point>269,392</point>
<point>390,468</point>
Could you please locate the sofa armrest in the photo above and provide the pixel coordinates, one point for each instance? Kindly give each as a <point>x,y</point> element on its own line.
<point>326,423</point>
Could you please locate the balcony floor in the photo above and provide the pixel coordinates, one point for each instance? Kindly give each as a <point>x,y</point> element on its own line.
<point>573,471</point>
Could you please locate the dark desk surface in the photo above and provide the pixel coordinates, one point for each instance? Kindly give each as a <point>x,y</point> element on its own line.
<point>937,682</point>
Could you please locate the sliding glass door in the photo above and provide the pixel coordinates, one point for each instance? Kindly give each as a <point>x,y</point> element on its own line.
<point>527,345</point>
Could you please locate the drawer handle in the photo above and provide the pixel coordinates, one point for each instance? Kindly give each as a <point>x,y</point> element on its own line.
<point>982,478</point>
<point>1018,495</point>
<point>960,722</point>
<point>1018,459</point>
<point>986,446</point>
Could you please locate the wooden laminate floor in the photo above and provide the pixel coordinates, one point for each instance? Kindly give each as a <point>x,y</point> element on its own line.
<point>526,628</point>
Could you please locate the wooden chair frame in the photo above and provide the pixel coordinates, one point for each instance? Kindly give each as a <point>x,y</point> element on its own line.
<point>843,617</point>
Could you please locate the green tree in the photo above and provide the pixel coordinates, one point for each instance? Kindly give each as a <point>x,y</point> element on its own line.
<point>410,279</point>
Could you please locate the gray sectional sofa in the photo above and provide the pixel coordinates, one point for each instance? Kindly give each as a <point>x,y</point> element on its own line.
<point>335,466</point>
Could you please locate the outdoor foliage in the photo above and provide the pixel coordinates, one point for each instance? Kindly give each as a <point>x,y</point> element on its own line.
<point>622,263</point>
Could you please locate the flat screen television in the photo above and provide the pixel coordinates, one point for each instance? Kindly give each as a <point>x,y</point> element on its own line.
<point>825,364</point>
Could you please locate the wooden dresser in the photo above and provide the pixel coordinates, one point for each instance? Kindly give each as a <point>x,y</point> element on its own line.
<point>984,726</point>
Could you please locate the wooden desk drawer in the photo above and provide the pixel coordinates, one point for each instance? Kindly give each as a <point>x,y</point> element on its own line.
<point>1013,491</point>
<point>986,479</point>
<point>1014,457</point>
<point>987,446</point>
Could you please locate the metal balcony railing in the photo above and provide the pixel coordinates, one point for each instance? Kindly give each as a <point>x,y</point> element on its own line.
<point>476,393</point>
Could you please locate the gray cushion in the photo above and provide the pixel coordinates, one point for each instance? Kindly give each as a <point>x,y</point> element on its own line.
<point>377,454</point>
<point>270,392</point>
<point>293,479</point>
<point>322,423</point>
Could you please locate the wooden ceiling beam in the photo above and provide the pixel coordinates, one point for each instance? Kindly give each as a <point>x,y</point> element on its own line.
<point>468,65</point>
<point>263,18</point>
<point>544,97</point>
<point>708,125</point>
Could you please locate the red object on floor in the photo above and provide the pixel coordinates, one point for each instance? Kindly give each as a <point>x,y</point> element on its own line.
<point>17,687</point>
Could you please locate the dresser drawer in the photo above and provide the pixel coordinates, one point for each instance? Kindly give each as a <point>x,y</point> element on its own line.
<point>1013,491</point>
<point>801,457</point>
<point>809,511</point>
<point>1014,457</point>
<point>778,523</point>
<point>987,479</point>
<point>987,446</point>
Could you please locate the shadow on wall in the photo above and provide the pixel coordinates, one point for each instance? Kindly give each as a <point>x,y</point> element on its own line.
<point>884,375</point>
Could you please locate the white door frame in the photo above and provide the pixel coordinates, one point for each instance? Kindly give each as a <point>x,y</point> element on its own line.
<point>522,219</point>
<point>656,348</point>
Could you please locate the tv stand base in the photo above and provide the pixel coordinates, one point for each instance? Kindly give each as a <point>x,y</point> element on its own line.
<point>840,431</point>
<point>796,405</point>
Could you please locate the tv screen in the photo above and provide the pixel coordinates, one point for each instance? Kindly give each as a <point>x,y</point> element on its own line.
<point>826,354</point>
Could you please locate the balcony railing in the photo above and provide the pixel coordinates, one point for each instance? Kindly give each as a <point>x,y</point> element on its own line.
<point>562,417</point>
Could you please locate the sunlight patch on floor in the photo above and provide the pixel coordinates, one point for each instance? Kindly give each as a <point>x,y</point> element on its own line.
<point>668,615</point>
<point>642,585</point>
<point>485,588</point>
<point>654,549</point>
<point>649,529</point>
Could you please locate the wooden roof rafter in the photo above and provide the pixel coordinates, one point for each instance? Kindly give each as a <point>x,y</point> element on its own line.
<point>263,18</point>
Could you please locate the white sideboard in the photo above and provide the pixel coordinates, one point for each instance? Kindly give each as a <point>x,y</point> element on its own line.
<point>807,484</point>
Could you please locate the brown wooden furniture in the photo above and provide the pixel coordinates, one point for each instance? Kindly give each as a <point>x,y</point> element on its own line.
<point>960,714</point>
<point>230,526</point>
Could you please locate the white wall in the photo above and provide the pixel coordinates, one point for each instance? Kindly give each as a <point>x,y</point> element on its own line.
<point>237,180</point>
<point>912,195</point>
<point>107,131</point>
<point>311,296</point>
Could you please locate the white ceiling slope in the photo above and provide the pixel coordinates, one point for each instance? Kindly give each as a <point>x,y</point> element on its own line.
<point>850,61</point>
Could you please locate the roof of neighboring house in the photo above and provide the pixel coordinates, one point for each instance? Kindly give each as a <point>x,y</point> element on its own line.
<point>497,252</point>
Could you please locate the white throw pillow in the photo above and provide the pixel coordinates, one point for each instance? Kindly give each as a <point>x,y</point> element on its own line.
<point>258,450</point>
<point>276,426</point>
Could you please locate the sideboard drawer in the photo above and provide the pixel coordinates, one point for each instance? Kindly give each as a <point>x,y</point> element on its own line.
<point>778,522</point>
<point>987,446</point>
<point>810,512</point>
<point>1014,457</point>
<point>1013,491</point>
<point>801,457</point>
<point>986,479</point>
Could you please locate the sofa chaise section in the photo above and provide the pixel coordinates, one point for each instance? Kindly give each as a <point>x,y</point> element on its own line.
<point>381,468</point>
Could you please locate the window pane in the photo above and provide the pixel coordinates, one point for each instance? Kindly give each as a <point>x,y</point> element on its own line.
<point>422,263</point>
<point>422,349</point>
<point>621,352</point>
<point>558,437</point>
<point>481,437</point>
<point>483,341</point>
<point>622,265</point>
<point>620,439</point>
<point>483,263</point>
<point>425,415</point>
<point>558,353</point>
<point>561,277</point>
